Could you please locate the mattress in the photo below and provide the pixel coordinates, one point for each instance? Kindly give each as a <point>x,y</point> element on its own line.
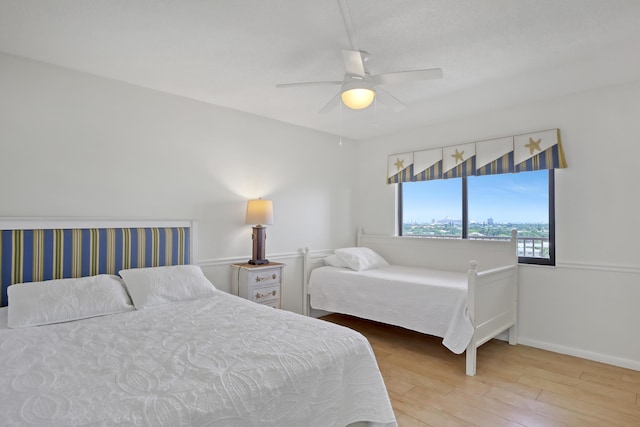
<point>430,301</point>
<point>216,361</point>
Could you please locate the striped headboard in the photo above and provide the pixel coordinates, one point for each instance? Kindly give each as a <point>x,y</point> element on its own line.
<point>34,250</point>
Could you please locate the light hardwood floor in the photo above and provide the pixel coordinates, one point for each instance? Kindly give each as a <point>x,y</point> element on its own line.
<point>514,385</point>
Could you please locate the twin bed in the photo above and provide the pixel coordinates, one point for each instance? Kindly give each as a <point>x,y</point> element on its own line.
<point>464,291</point>
<point>157,344</point>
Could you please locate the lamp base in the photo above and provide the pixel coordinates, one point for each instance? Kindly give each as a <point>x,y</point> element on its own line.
<point>259,236</point>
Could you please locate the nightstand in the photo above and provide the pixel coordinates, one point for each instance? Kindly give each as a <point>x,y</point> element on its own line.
<point>258,283</point>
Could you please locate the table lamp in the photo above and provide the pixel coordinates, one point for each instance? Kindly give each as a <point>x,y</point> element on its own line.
<point>259,212</point>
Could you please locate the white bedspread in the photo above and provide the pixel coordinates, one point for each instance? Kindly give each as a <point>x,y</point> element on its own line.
<point>430,301</point>
<point>219,361</point>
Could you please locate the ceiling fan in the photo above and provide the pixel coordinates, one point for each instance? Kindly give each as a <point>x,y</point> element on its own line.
<point>359,87</point>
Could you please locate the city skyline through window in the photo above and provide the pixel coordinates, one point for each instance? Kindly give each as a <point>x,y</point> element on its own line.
<point>492,206</point>
<point>516,198</point>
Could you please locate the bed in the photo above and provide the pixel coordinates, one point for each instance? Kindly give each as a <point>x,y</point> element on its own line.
<point>164,348</point>
<point>464,291</point>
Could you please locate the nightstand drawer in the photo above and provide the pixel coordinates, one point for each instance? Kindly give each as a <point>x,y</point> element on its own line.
<point>265,294</point>
<point>261,278</point>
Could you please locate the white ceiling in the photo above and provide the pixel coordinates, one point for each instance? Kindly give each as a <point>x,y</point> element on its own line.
<point>232,53</point>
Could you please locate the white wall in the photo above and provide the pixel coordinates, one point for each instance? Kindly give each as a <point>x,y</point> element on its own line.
<point>589,304</point>
<point>72,144</point>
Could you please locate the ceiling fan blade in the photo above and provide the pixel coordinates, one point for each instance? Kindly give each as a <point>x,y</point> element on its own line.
<point>389,100</point>
<point>353,62</point>
<point>407,76</point>
<point>327,83</point>
<point>331,104</point>
<point>346,16</point>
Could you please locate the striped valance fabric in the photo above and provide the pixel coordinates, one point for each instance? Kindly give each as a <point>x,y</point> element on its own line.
<point>36,255</point>
<point>519,153</point>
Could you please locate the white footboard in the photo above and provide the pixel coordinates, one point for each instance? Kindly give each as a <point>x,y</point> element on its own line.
<point>492,307</point>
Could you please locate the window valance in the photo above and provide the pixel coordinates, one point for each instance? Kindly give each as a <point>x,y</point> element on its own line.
<point>518,153</point>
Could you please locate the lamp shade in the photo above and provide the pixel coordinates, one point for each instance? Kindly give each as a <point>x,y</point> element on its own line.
<point>259,211</point>
<point>357,94</point>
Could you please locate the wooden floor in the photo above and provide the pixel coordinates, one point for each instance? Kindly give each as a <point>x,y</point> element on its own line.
<point>514,385</point>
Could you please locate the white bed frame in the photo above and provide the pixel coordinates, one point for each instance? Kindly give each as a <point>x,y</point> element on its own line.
<point>492,292</point>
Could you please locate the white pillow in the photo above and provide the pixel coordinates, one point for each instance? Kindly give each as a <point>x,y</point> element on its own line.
<point>360,259</point>
<point>335,261</point>
<point>153,286</point>
<point>63,300</point>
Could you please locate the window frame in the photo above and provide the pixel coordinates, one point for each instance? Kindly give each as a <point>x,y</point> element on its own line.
<point>551,261</point>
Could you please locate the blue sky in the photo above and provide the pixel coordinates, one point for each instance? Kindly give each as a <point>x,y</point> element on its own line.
<point>516,198</point>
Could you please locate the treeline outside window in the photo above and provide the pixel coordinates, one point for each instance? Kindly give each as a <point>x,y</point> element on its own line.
<point>484,207</point>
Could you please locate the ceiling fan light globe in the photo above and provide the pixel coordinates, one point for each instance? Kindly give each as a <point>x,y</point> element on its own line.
<point>358,98</point>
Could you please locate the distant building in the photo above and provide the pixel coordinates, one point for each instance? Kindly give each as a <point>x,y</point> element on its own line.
<point>490,221</point>
<point>449,221</point>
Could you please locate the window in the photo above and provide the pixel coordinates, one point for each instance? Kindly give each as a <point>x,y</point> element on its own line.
<point>432,208</point>
<point>485,207</point>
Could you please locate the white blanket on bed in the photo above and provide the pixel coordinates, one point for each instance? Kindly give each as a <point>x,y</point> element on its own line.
<point>218,361</point>
<point>430,301</point>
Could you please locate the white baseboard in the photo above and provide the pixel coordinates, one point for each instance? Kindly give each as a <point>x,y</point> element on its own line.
<point>584,354</point>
